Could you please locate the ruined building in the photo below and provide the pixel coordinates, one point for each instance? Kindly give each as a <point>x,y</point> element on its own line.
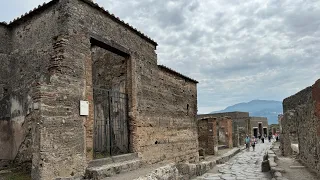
<point>259,126</point>
<point>214,133</point>
<point>300,126</point>
<point>242,125</point>
<point>68,51</point>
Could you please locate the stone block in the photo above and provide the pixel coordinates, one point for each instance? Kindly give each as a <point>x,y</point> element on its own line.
<point>277,174</point>
<point>109,170</point>
<point>265,166</point>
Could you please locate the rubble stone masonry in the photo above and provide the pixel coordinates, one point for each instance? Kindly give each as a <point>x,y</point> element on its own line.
<point>46,69</point>
<point>300,125</point>
<point>240,125</point>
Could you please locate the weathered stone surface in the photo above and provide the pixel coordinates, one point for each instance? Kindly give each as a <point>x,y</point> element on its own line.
<point>277,174</point>
<point>245,165</point>
<point>47,58</point>
<point>240,125</point>
<point>300,126</point>
<point>109,170</point>
<point>265,166</point>
<point>167,172</point>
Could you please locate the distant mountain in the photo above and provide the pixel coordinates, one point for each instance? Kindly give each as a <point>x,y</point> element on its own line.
<point>262,108</point>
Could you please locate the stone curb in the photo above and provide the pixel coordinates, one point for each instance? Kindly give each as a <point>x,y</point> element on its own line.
<point>224,158</point>
<point>184,171</point>
<point>275,171</point>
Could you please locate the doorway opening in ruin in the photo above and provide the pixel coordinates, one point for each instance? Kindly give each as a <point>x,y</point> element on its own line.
<point>255,132</point>
<point>110,100</point>
<point>265,132</point>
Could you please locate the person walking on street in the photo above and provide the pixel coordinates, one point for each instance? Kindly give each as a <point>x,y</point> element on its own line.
<point>262,139</point>
<point>253,142</point>
<point>247,141</point>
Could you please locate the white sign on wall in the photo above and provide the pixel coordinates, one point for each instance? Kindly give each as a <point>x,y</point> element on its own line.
<point>84,108</point>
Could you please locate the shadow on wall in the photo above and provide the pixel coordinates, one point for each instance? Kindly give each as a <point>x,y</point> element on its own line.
<point>12,130</point>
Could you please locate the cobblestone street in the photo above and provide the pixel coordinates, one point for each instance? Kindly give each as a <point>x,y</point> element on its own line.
<point>245,165</point>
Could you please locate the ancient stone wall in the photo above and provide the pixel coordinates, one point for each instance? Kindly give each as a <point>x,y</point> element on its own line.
<point>240,125</point>
<point>167,116</point>
<point>162,105</point>
<point>225,123</point>
<point>5,47</point>
<point>290,129</point>
<point>51,71</point>
<point>207,135</point>
<point>300,125</point>
<point>298,99</point>
<point>27,45</point>
<point>255,121</point>
<point>203,133</point>
<point>5,39</point>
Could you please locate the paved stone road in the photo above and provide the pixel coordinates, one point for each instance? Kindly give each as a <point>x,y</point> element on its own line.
<point>245,165</point>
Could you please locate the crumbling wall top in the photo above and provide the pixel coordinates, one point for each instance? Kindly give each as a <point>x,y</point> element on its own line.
<point>43,7</point>
<point>3,24</point>
<point>297,99</point>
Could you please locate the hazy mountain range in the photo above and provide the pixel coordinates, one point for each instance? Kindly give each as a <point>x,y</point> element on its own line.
<point>262,108</point>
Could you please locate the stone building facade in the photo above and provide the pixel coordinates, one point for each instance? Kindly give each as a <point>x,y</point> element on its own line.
<point>59,54</point>
<point>300,125</point>
<point>259,125</point>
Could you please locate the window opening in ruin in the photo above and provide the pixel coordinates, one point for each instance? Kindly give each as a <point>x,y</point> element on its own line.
<point>110,99</point>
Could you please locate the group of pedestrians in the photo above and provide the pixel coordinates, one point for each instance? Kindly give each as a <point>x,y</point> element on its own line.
<point>253,141</point>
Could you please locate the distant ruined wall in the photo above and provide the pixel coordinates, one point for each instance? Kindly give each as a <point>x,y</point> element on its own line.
<point>300,124</point>
<point>254,123</point>
<point>240,125</point>
<point>203,134</point>
<point>208,135</point>
<point>225,131</point>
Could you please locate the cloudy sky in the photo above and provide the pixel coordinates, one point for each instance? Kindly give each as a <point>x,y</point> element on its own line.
<point>239,50</point>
